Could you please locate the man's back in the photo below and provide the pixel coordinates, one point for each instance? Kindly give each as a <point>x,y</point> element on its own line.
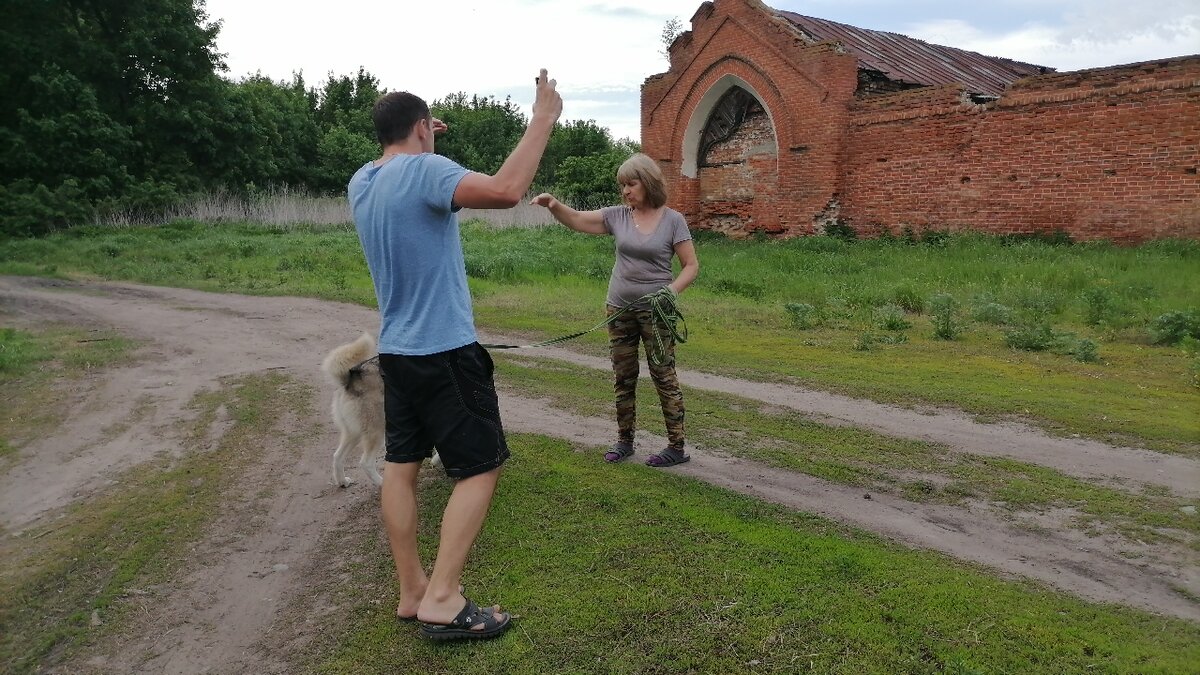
<point>406,222</point>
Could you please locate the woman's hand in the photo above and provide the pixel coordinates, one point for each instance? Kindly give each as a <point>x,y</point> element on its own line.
<point>545,199</point>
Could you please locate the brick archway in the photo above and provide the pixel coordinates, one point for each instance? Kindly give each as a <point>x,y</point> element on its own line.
<point>730,147</point>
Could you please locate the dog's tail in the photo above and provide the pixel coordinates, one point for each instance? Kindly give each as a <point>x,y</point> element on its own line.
<point>338,362</point>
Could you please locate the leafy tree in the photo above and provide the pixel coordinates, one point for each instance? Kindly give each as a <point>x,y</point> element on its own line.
<point>482,130</point>
<point>104,98</point>
<point>280,145</point>
<point>580,138</point>
<point>340,153</point>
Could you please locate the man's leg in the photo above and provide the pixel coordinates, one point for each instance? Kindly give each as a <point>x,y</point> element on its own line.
<point>398,501</point>
<point>461,522</point>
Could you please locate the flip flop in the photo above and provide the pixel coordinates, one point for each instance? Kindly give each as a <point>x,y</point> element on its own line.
<point>620,450</point>
<point>667,457</point>
<point>462,627</point>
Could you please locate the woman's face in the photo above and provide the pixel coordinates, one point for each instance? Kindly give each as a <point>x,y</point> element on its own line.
<point>634,193</point>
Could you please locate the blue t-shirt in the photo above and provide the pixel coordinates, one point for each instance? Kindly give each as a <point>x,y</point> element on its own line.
<point>406,222</point>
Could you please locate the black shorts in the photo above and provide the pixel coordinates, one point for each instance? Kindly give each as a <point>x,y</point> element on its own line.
<point>448,401</point>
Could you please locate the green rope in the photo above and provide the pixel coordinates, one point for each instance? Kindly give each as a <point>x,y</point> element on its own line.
<point>663,308</point>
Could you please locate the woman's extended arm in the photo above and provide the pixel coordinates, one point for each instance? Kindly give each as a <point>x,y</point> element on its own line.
<point>689,266</point>
<point>588,222</point>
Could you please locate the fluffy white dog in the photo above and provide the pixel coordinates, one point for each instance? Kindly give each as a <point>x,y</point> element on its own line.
<point>358,407</point>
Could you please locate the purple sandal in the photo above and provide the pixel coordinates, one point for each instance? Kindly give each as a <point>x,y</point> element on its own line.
<point>620,450</point>
<point>668,456</point>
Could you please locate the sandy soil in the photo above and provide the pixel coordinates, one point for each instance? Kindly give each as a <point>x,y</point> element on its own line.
<point>220,615</point>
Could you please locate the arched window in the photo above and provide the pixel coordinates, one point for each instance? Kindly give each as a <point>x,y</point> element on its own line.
<point>730,111</point>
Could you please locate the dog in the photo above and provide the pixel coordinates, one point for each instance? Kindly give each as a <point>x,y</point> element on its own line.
<point>358,408</point>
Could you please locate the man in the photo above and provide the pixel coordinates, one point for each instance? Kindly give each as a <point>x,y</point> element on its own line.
<point>438,386</point>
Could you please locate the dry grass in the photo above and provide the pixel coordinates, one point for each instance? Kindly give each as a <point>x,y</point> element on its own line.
<point>281,207</point>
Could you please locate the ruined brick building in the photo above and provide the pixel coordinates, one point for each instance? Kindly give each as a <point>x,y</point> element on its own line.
<point>775,122</point>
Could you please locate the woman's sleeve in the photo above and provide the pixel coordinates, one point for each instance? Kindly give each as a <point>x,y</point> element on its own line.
<point>608,214</point>
<point>681,233</point>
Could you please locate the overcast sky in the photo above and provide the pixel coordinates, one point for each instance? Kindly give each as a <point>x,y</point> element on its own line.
<point>601,52</point>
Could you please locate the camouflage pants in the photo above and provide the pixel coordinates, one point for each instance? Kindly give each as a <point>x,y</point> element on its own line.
<point>624,335</point>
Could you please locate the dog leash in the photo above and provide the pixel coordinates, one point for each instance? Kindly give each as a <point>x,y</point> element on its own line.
<point>663,308</point>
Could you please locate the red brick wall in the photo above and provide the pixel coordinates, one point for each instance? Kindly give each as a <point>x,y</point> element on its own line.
<point>1108,153</point>
<point>1102,154</point>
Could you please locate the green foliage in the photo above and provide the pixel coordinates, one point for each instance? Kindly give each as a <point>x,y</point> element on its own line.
<point>909,299</point>
<point>482,130</point>
<point>802,315</point>
<point>839,229</point>
<point>1033,336</point>
<point>1172,327</point>
<point>992,313</point>
<point>943,311</point>
<point>1085,351</point>
<point>891,317</point>
<point>1099,306</point>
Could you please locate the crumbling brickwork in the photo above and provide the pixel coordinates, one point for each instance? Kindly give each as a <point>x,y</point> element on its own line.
<point>1108,153</point>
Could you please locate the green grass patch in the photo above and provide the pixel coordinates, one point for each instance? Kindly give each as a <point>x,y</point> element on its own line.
<point>31,363</point>
<point>56,574</point>
<point>917,470</point>
<point>621,569</point>
<point>542,282</point>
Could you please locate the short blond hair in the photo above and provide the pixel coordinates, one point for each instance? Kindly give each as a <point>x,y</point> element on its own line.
<point>645,170</point>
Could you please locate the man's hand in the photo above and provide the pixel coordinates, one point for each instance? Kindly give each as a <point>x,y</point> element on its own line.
<point>439,127</point>
<point>547,103</point>
<point>545,199</point>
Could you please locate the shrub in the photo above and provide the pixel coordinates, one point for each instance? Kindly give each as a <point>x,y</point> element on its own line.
<point>909,299</point>
<point>943,309</point>
<point>891,317</point>
<point>1033,336</point>
<point>1098,306</point>
<point>802,315</point>
<point>1085,351</point>
<point>864,342</point>
<point>1172,327</point>
<point>993,313</point>
<point>838,229</point>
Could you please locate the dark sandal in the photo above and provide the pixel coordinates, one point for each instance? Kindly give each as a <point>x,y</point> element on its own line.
<point>413,618</point>
<point>667,457</point>
<point>462,627</point>
<point>620,450</point>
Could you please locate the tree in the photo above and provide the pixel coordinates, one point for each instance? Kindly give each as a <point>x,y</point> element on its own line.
<point>482,130</point>
<point>105,99</point>
<point>672,29</point>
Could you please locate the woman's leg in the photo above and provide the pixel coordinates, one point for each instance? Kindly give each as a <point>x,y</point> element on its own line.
<point>623,337</point>
<point>666,382</point>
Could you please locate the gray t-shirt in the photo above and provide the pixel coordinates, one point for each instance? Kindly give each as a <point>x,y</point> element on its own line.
<point>643,262</point>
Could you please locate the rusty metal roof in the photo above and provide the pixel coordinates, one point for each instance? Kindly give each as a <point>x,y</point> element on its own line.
<point>912,61</point>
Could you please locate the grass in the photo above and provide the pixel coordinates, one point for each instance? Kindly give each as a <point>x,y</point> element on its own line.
<point>543,282</point>
<point>628,570</point>
<point>916,470</point>
<point>31,364</point>
<point>87,559</point>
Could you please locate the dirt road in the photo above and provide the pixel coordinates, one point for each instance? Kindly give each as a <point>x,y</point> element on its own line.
<point>231,596</point>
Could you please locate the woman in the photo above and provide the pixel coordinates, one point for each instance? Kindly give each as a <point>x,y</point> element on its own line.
<point>648,235</point>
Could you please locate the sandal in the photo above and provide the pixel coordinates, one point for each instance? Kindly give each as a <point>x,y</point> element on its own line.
<point>668,456</point>
<point>463,625</point>
<point>620,450</point>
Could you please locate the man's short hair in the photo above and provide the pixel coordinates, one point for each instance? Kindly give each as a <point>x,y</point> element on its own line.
<point>394,115</point>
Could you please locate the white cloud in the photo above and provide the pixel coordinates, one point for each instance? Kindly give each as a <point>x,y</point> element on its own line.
<point>601,52</point>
